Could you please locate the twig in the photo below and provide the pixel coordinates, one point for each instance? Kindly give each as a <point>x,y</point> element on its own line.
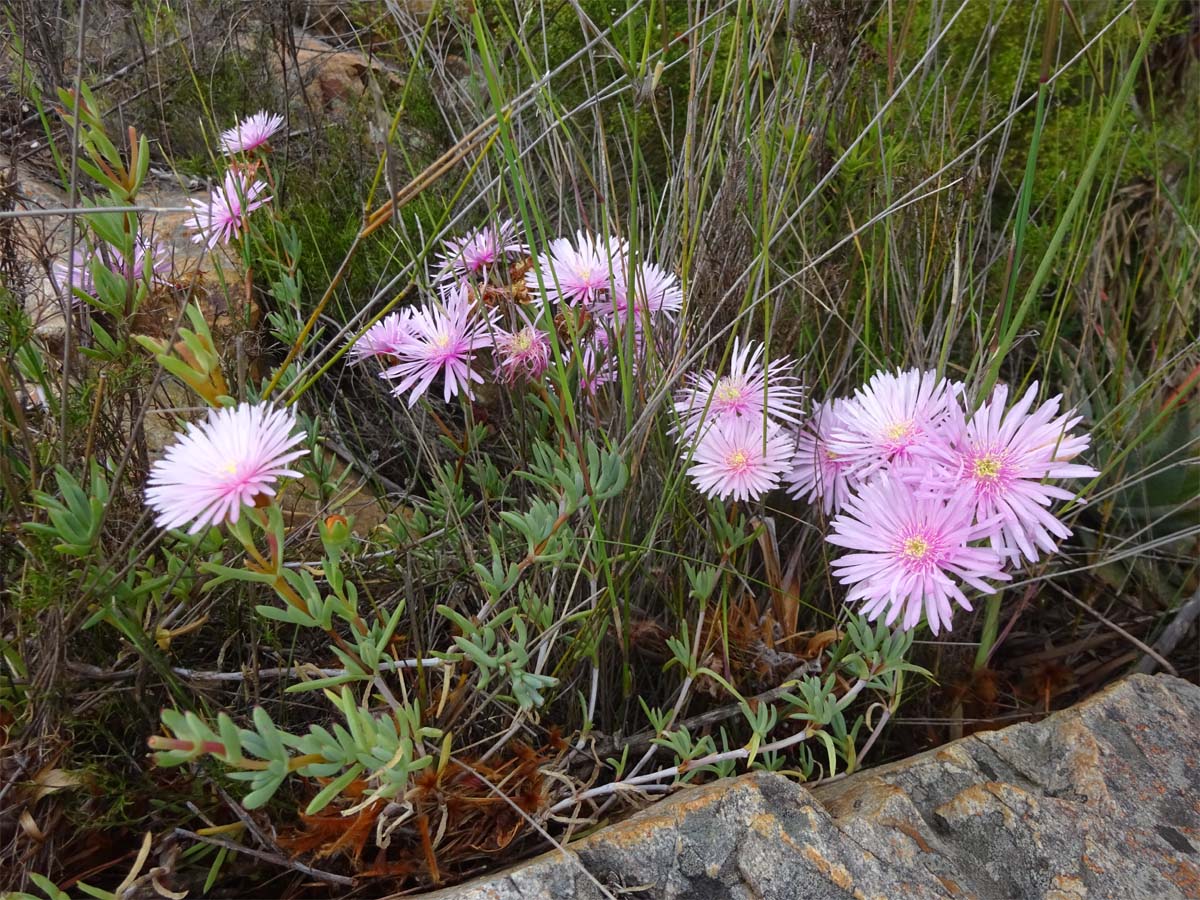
<point>244,817</point>
<point>1171,636</point>
<point>883,720</point>
<point>278,860</point>
<point>98,674</point>
<point>30,119</point>
<point>73,211</point>
<point>671,772</point>
<point>634,780</point>
<point>365,468</point>
<point>1141,645</point>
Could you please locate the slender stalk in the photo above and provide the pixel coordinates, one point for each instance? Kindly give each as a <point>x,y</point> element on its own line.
<point>991,627</point>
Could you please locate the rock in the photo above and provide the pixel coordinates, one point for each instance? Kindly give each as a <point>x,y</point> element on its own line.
<point>1101,801</point>
<point>334,79</point>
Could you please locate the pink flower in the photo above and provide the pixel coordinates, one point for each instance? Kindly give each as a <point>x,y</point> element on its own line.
<point>384,338</point>
<point>221,464</point>
<point>473,253</point>
<point>146,251</point>
<point>524,353</point>
<point>442,339</point>
<point>737,458</point>
<point>221,217</point>
<point>651,288</point>
<point>893,420</point>
<point>76,274</point>
<point>250,133</point>
<point>1000,461</point>
<point>578,274</point>
<point>912,552</point>
<point>750,390</point>
<point>817,471</point>
<point>149,255</point>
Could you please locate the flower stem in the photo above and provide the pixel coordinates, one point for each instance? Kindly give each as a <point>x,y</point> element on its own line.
<point>991,626</point>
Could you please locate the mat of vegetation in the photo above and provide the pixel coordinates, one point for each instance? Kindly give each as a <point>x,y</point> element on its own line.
<point>432,430</point>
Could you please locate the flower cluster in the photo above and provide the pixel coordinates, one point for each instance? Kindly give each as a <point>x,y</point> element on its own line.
<point>491,296</point>
<point>733,426</point>
<point>929,496</point>
<point>216,219</point>
<point>441,338</point>
<point>221,216</point>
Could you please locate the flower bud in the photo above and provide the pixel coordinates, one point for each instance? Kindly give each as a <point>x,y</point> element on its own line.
<point>335,533</point>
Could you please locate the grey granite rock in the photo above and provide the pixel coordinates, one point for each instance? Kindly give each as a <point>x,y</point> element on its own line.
<point>1099,801</point>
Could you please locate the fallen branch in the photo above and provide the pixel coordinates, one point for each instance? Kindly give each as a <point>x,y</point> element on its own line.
<point>1171,636</point>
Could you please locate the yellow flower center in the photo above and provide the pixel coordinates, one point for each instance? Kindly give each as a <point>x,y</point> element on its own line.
<point>522,341</point>
<point>916,547</point>
<point>442,340</point>
<point>229,468</point>
<point>727,391</point>
<point>737,460</point>
<point>987,467</point>
<point>899,430</point>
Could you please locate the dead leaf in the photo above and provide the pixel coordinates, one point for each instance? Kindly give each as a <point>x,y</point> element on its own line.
<point>162,891</point>
<point>30,827</point>
<point>143,855</point>
<point>50,781</point>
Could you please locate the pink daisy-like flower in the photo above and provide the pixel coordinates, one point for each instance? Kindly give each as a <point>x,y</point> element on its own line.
<point>524,353</point>
<point>146,251</point>
<point>251,133</point>
<point>221,217</point>
<point>737,458</point>
<point>748,391</point>
<point>894,420</point>
<point>817,471</point>
<point>579,273</point>
<point>76,274</point>
<point>473,253</point>
<point>443,339</point>
<point>1000,460</point>
<point>383,339</point>
<point>911,553</point>
<point>149,255</point>
<point>651,288</point>
<point>235,456</point>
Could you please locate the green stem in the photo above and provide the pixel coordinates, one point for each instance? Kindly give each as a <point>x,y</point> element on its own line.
<point>991,627</point>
